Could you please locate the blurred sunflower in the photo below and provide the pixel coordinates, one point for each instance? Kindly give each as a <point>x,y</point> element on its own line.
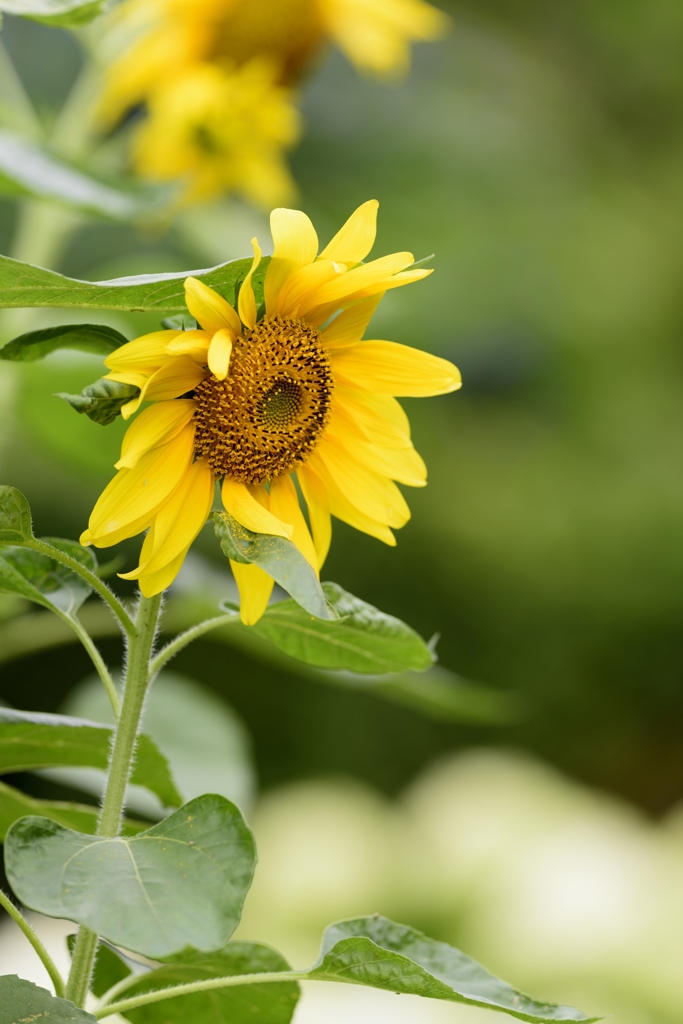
<point>260,403</point>
<point>204,48</point>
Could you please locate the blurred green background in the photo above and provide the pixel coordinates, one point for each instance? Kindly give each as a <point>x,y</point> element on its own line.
<point>538,151</point>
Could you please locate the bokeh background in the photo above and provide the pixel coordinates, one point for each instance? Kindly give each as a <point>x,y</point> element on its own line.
<point>538,152</point>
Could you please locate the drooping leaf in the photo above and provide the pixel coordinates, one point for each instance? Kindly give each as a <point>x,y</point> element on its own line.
<point>22,1002</point>
<point>15,517</point>
<point>277,556</point>
<point>39,578</point>
<point>84,337</point>
<point>109,968</point>
<point>102,401</point>
<point>27,169</point>
<point>30,740</point>
<point>377,952</point>
<point>362,639</point>
<point>273,1003</point>
<point>15,805</point>
<point>180,883</point>
<point>22,284</point>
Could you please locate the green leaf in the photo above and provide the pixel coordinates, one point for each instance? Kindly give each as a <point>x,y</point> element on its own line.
<point>83,337</point>
<point>22,284</point>
<point>15,517</point>
<point>109,968</point>
<point>362,639</point>
<point>30,740</point>
<point>39,578</point>
<point>27,169</point>
<point>179,323</point>
<point>102,401</point>
<point>181,883</point>
<point>279,557</point>
<point>377,952</point>
<point>261,1004</point>
<point>15,805</point>
<point>22,1002</point>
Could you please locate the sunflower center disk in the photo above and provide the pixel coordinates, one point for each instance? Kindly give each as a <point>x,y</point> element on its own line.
<point>269,413</point>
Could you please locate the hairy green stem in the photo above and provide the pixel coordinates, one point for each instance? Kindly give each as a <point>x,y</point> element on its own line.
<point>98,585</point>
<point>190,987</point>
<point>138,677</point>
<point>183,639</point>
<point>48,962</point>
<point>98,661</point>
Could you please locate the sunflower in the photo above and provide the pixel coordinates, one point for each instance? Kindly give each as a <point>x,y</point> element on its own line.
<point>203,68</point>
<point>287,409</point>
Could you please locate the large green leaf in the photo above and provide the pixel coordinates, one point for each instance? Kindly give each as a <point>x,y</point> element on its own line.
<point>277,556</point>
<point>15,516</point>
<point>260,1004</point>
<point>30,740</point>
<point>83,337</point>
<point>102,401</point>
<point>63,13</point>
<point>22,284</point>
<point>26,169</point>
<point>362,640</point>
<point>39,578</point>
<point>181,883</point>
<point>22,1002</point>
<point>377,952</point>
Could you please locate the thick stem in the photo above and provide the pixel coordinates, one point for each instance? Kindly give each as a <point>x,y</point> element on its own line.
<point>137,681</point>
<point>48,962</point>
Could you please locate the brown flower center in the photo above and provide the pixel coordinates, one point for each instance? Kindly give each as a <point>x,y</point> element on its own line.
<point>269,413</point>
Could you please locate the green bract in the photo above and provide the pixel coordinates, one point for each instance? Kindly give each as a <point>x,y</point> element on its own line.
<point>277,556</point>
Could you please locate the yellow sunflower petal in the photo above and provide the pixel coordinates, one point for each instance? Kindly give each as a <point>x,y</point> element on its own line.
<point>284,503</point>
<point>131,529</point>
<point>303,284</point>
<point>388,368</point>
<point>209,308</point>
<point>154,426</point>
<point>318,511</point>
<point>143,355</point>
<point>343,509</point>
<point>373,274</point>
<point>134,495</point>
<point>255,587</point>
<point>355,240</point>
<point>244,507</point>
<point>220,351</point>
<point>178,521</point>
<point>350,326</point>
<point>171,380</point>
<point>194,344</point>
<point>401,464</point>
<point>246,303</point>
<point>156,582</point>
<point>295,244</point>
<point>374,495</point>
<point>379,418</point>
